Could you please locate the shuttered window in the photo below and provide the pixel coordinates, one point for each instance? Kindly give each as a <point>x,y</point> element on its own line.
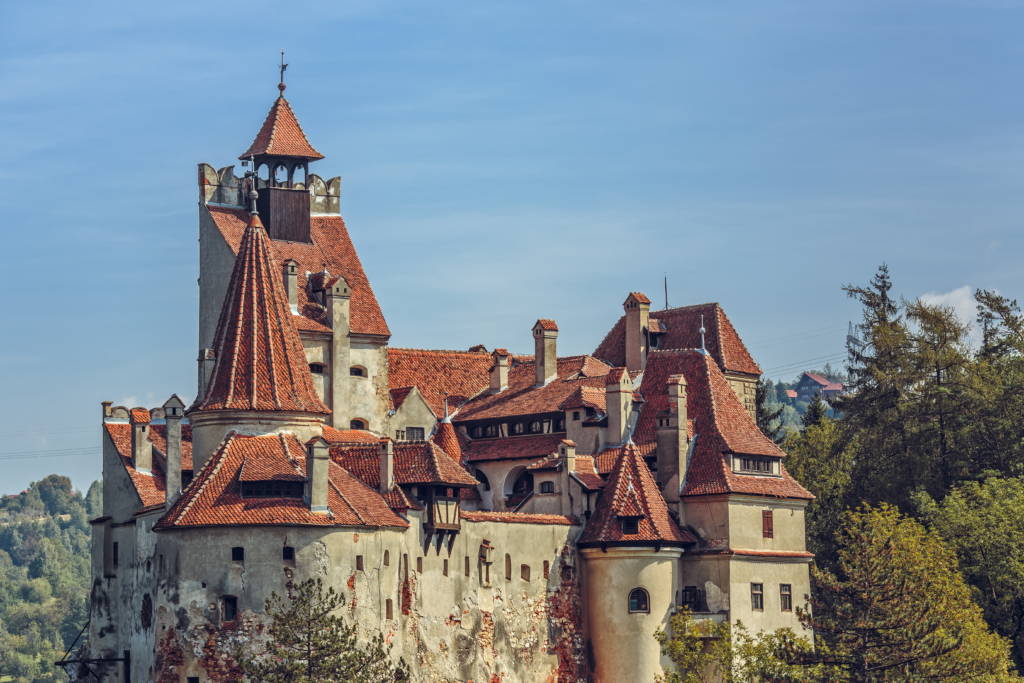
<point>767,524</point>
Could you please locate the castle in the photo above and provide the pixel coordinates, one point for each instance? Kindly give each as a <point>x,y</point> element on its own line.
<point>496,516</point>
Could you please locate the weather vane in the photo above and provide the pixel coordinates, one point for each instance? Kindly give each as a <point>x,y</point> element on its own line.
<point>280,85</point>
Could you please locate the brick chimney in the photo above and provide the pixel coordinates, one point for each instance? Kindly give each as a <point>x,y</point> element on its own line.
<point>317,470</point>
<point>174,410</point>
<point>618,388</point>
<point>499,371</point>
<point>637,307</point>
<point>291,284</point>
<point>142,449</point>
<point>387,465</point>
<point>545,350</point>
<point>672,436</point>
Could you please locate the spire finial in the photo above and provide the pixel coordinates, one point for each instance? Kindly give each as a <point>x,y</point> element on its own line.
<point>702,331</point>
<point>281,86</point>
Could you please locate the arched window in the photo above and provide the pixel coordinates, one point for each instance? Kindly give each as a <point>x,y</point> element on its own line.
<point>263,172</point>
<point>357,371</point>
<point>482,478</point>
<point>638,601</point>
<point>280,175</point>
<point>387,558</point>
<point>299,175</point>
<point>357,424</point>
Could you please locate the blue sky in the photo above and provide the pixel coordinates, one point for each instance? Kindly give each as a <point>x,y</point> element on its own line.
<point>501,162</point>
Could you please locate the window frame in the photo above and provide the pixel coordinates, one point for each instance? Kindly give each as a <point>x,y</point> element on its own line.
<point>643,601</point>
<point>768,524</point>
<point>238,553</point>
<point>546,487</point>
<point>786,597</point>
<point>756,597</point>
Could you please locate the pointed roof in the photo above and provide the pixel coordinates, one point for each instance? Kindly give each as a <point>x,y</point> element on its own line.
<point>260,362</point>
<point>281,135</point>
<point>448,440</point>
<point>631,492</point>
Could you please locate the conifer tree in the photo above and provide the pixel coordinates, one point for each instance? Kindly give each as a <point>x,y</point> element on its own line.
<point>816,412</point>
<point>768,411</point>
<point>310,642</point>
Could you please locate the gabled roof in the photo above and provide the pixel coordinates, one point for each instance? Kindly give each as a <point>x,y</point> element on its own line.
<point>416,462</point>
<point>332,247</point>
<point>718,421</point>
<point>281,135</point>
<point>681,328</point>
<point>585,397</point>
<point>260,363</point>
<point>632,492</point>
<point>151,488</point>
<point>524,397</point>
<point>458,374</point>
<point>214,496</point>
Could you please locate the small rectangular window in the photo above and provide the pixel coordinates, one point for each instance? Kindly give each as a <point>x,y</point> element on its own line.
<point>466,572</point>
<point>288,554</point>
<point>547,569</point>
<point>414,433</point>
<point>229,607</point>
<point>630,525</point>
<point>524,572</point>
<point>419,565</point>
<point>238,554</point>
<point>389,609</point>
<point>786,597</point>
<point>359,562</point>
<point>444,568</point>
<point>192,679</point>
<point>115,554</point>
<point>757,596</point>
<point>767,524</point>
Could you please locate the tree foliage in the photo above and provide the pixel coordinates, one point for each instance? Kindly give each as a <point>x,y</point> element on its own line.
<point>310,642</point>
<point>44,577</point>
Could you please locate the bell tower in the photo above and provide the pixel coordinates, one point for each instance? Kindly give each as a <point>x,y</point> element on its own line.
<point>280,156</point>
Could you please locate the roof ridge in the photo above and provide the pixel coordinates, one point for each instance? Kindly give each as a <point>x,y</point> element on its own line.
<point>210,468</point>
<point>341,495</point>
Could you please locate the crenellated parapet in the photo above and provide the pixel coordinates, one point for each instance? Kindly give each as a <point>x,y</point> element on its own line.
<point>223,188</point>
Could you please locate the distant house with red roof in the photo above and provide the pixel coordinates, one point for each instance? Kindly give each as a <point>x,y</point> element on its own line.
<point>516,516</point>
<point>811,385</point>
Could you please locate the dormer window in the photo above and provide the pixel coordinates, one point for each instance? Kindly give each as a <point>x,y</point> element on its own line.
<point>476,432</point>
<point>753,464</point>
<point>536,427</point>
<point>518,428</point>
<point>560,424</point>
<point>630,525</point>
<point>491,430</point>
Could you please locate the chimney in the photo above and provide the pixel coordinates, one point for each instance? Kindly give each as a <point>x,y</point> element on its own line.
<point>317,466</point>
<point>107,412</point>
<point>672,436</point>
<point>545,351</point>
<point>174,409</point>
<point>142,449</point>
<point>499,371</point>
<point>337,299</point>
<point>618,388</point>
<point>291,284</point>
<point>637,307</point>
<point>387,465</point>
<point>567,449</point>
<point>205,361</point>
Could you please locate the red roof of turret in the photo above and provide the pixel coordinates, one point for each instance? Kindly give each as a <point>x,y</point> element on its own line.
<point>281,135</point>
<point>632,492</point>
<point>448,440</point>
<point>260,362</point>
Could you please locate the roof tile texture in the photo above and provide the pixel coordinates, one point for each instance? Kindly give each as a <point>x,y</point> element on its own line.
<point>260,363</point>
<point>458,374</point>
<point>281,135</point>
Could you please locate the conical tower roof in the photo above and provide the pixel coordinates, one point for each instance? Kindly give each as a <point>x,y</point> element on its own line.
<point>632,494</point>
<point>281,135</point>
<point>260,362</point>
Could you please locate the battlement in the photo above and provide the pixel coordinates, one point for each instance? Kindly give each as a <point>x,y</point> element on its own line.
<point>223,188</point>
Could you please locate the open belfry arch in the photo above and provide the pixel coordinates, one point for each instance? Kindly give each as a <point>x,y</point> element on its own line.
<point>495,515</point>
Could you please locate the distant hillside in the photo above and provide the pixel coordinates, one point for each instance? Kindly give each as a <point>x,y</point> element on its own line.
<point>44,575</point>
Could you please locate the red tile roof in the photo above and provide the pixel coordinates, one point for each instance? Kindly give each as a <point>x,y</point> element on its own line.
<point>332,435</point>
<point>260,363</point>
<point>632,492</point>
<point>585,397</point>
<point>682,327</point>
<point>639,297</point>
<point>448,440</point>
<point>416,462</point>
<point>151,488</point>
<point>331,246</point>
<point>605,461</point>
<point>139,416</point>
<point>586,472</point>
<point>213,498</point>
<point>281,135</point>
<point>512,448</point>
<point>517,518</point>
<point>546,324</point>
<point>523,397</point>
<point>459,374</point>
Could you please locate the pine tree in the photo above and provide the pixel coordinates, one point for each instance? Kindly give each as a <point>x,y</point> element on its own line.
<point>309,642</point>
<point>768,412</point>
<point>816,412</point>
